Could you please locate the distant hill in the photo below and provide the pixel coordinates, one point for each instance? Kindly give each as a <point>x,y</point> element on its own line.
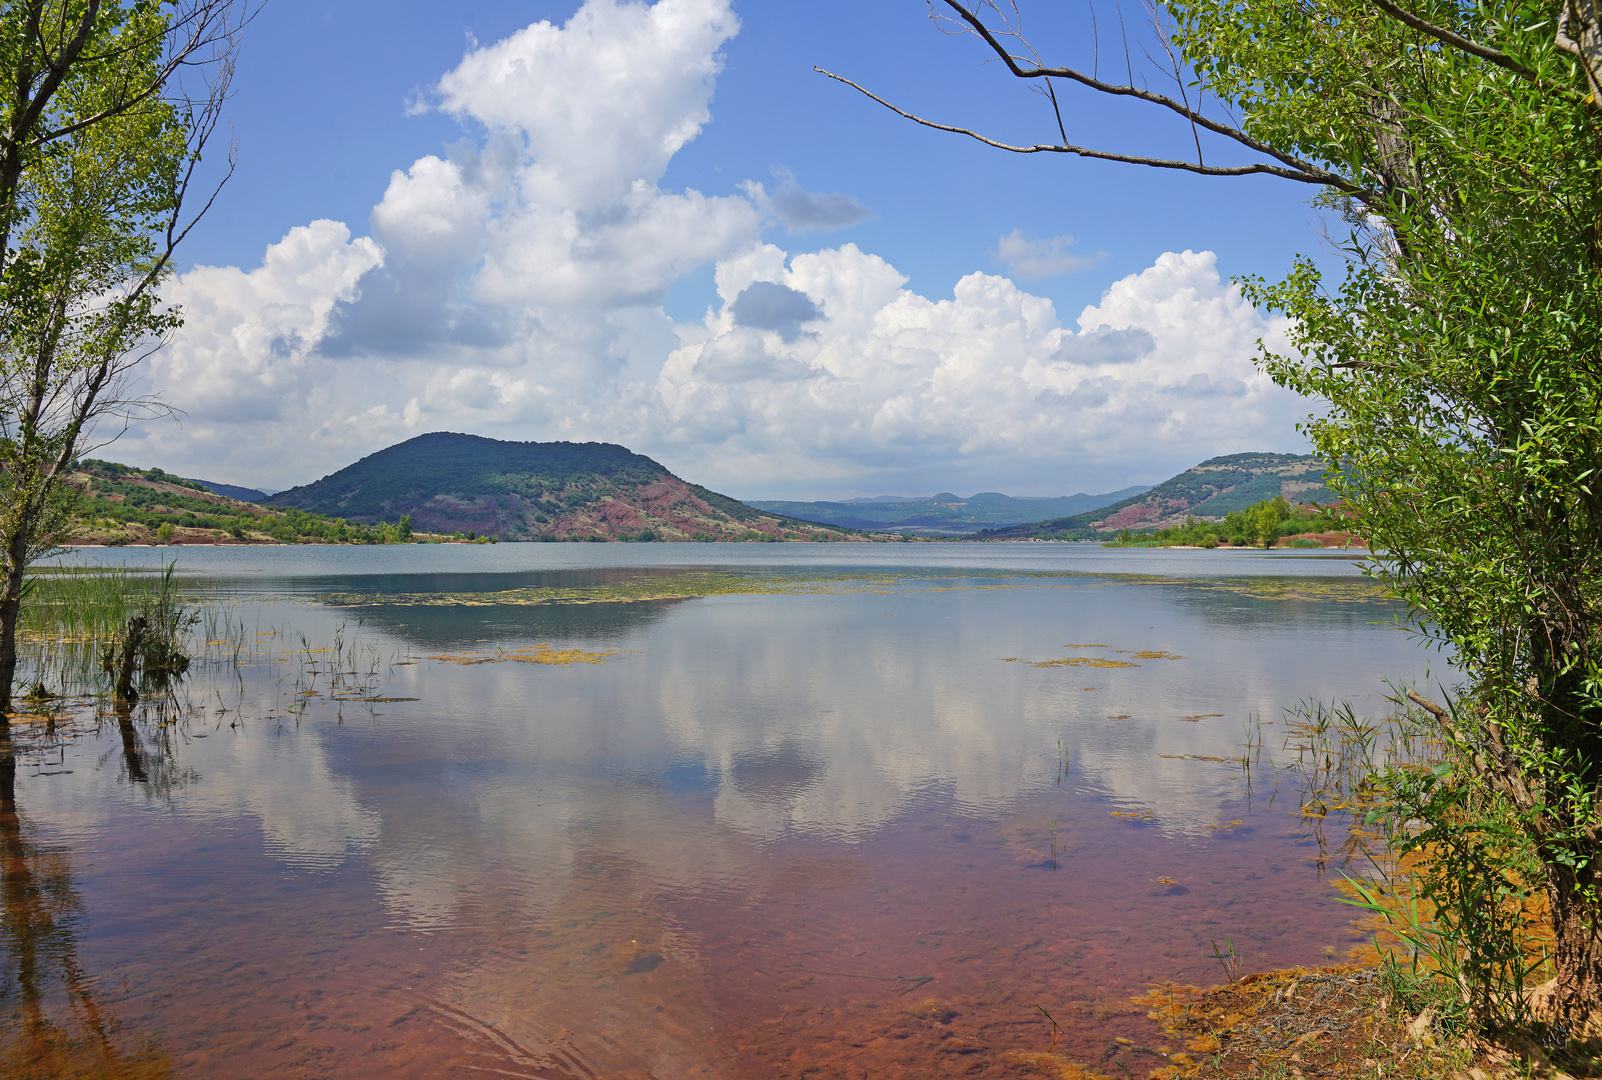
<point>945,512</point>
<point>1207,491</point>
<point>123,504</point>
<point>232,491</point>
<point>450,483</point>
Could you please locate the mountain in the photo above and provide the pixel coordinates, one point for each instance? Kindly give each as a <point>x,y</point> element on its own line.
<point>451,483</point>
<point>1207,491</point>
<point>943,513</point>
<point>232,491</point>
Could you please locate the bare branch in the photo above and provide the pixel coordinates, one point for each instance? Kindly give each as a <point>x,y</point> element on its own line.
<point>1304,171</point>
<point>1176,70</point>
<point>1429,706</point>
<point>1308,174</point>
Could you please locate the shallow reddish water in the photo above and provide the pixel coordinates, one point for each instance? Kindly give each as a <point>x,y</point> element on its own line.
<point>798,836</point>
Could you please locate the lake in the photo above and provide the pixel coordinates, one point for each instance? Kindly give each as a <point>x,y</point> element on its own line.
<point>660,810</point>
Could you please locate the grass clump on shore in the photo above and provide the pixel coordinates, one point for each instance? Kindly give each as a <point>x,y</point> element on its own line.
<point>1458,933</point>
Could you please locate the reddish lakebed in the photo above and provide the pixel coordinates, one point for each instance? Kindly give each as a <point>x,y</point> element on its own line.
<point>714,813</point>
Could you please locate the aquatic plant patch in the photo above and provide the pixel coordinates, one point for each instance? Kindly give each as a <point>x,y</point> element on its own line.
<point>698,584</point>
<point>1071,661</point>
<point>541,653</point>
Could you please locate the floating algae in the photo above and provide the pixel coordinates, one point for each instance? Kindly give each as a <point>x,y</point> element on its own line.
<point>540,653</point>
<point>1070,661</point>
<point>1096,661</point>
<point>696,584</point>
<point>690,585</point>
<point>1334,590</point>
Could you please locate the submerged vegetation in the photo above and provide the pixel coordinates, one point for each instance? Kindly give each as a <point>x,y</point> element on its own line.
<point>538,653</point>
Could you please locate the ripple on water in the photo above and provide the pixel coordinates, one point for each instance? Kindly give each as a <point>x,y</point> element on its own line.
<point>772,833</point>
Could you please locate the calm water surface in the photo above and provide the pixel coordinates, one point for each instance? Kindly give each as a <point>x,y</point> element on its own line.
<point>760,811</point>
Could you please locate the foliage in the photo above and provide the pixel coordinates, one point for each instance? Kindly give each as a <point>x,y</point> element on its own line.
<point>111,470</point>
<point>116,497</point>
<point>98,146</point>
<point>70,619</point>
<point>1469,876</point>
<point>1460,363</point>
<point>525,490</point>
<point>1458,367</point>
<point>466,466</point>
<point>1264,522</point>
<point>167,621</point>
<point>84,221</point>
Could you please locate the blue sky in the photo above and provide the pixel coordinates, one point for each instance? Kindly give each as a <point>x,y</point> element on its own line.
<point>468,224</point>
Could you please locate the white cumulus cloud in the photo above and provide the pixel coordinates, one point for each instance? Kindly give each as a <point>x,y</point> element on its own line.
<point>247,343</point>
<point>927,389</point>
<point>513,286</point>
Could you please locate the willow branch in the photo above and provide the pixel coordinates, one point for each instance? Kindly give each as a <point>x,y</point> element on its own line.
<point>1501,770</point>
<point>1457,41</point>
<point>1580,33</point>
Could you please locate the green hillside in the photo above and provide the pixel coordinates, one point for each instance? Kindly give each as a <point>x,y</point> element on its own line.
<point>1208,491</point>
<point>121,504</point>
<point>448,482</point>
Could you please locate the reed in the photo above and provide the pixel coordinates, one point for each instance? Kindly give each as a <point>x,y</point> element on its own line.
<point>72,624</point>
<point>1455,919</point>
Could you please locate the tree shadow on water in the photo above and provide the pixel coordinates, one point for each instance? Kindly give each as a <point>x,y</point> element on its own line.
<point>51,1025</point>
<point>147,736</point>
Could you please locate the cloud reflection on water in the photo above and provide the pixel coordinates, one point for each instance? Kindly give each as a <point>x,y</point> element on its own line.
<point>790,767</point>
<point>831,716</point>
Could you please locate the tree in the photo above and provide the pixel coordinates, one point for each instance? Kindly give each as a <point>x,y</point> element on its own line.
<point>1265,519</point>
<point>1459,363</point>
<point>99,144</point>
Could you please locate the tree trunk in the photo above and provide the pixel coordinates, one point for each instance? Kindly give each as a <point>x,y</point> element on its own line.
<point>1572,1002</point>
<point>10,606</point>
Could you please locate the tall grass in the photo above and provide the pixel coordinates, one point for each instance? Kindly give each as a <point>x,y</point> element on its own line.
<point>72,620</point>
<point>1456,917</point>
